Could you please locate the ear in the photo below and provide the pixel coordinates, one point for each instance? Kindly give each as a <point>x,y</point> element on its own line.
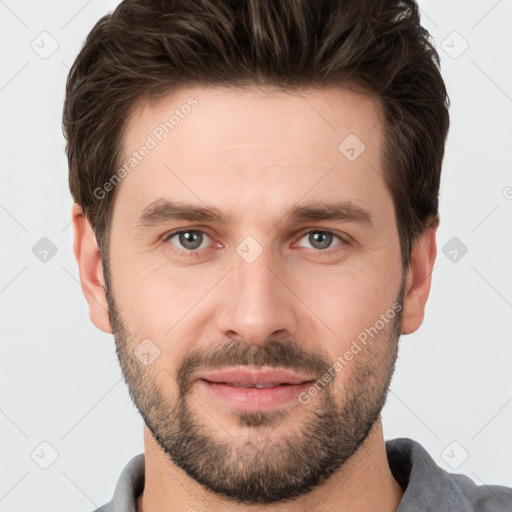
<point>419,277</point>
<point>90,268</point>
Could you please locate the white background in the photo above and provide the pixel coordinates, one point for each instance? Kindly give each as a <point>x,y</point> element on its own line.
<point>60,381</point>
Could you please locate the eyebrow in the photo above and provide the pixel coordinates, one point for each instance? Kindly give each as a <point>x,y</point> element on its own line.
<point>163,210</point>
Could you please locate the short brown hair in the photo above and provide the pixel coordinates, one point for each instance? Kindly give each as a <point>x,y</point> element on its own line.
<point>150,47</point>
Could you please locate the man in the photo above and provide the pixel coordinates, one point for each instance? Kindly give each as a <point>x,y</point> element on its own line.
<point>256,203</point>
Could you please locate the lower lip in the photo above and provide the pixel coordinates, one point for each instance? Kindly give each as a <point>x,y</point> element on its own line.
<point>254,399</point>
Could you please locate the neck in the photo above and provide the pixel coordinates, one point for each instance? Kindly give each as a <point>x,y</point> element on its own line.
<point>364,483</point>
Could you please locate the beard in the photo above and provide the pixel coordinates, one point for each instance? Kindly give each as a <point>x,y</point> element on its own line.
<point>264,469</point>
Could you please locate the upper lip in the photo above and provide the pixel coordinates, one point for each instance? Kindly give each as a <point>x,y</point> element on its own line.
<point>252,377</point>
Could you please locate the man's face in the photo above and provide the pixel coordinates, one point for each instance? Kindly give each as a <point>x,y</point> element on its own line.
<point>259,289</point>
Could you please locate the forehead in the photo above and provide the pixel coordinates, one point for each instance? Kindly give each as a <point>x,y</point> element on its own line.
<point>234,147</point>
<point>246,117</point>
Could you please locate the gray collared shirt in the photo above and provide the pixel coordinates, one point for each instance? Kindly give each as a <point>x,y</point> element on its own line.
<point>428,488</point>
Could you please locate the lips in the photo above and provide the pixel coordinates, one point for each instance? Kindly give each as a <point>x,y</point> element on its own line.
<point>259,379</point>
<point>251,390</point>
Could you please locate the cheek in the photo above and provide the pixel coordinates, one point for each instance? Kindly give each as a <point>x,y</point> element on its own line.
<point>347,299</point>
<point>163,303</point>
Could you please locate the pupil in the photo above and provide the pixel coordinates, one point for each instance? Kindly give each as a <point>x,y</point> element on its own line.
<point>322,239</point>
<point>187,240</point>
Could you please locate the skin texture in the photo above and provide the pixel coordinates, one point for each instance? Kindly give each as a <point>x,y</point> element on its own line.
<point>300,305</point>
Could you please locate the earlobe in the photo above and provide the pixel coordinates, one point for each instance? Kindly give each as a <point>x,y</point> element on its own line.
<point>419,278</point>
<point>90,269</point>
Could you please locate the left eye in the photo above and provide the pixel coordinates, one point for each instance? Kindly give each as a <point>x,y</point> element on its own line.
<point>190,240</point>
<point>320,239</point>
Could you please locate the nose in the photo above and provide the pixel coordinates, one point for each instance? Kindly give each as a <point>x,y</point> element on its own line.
<point>256,302</point>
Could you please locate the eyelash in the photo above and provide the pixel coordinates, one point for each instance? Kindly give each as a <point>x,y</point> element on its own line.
<point>319,252</point>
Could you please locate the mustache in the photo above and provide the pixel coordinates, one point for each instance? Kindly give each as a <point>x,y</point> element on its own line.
<point>274,353</point>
